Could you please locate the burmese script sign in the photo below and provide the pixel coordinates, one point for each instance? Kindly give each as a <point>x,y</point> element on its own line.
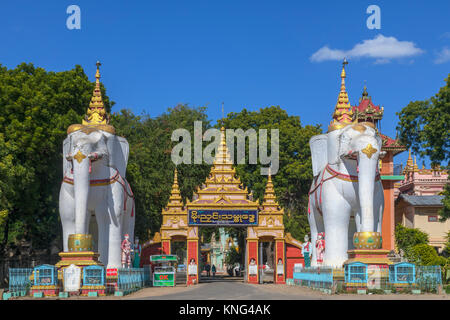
<point>223,217</point>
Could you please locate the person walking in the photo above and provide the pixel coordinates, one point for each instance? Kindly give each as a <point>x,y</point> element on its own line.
<point>213,269</point>
<point>208,268</point>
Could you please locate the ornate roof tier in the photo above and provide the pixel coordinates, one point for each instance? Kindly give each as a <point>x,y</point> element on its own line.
<point>366,111</point>
<point>271,215</point>
<point>390,144</point>
<point>175,205</point>
<point>222,189</point>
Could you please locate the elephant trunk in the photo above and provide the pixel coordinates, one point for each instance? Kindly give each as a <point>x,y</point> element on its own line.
<point>81,176</point>
<point>367,168</point>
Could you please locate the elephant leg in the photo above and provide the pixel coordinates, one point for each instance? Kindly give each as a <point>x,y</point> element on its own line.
<point>67,214</point>
<point>336,220</point>
<point>353,226</point>
<point>378,207</point>
<point>316,226</point>
<point>115,214</point>
<point>128,220</point>
<point>103,221</point>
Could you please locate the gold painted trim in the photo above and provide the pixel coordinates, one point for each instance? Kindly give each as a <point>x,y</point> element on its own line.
<point>88,129</point>
<point>369,151</point>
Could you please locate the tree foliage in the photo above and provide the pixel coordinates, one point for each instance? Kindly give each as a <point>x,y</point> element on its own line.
<point>415,245</point>
<point>150,170</point>
<point>425,255</point>
<point>444,213</point>
<point>425,125</point>
<point>406,238</point>
<point>36,107</point>
<point>293,180</point>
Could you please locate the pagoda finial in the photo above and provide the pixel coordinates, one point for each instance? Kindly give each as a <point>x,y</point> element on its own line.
<point>96,117</point>
<point>96,113</point>
<point>416,168</point>
<point>343,114</point>
<point>409,163</point>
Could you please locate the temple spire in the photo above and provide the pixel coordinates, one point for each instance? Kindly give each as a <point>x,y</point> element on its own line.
<point>96,113</point>
<point>416,168</point>
<point>175,200</point>
<point>343,113</point>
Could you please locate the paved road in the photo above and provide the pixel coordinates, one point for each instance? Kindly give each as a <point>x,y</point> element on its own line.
<point>244,291</point>
<point>229,291</point>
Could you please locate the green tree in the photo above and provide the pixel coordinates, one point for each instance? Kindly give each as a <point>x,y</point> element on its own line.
<point>293,180</point>
<point>36,107</point>
<point>409,237</point>
<point>425,255</point>
<point>150,168</point>
<point>444,213</point>
<point>425,125</point>
<point>447,245</point>
<point>232,257</point>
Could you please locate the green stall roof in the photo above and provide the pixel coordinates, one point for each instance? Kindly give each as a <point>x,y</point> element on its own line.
<point>163,257</point>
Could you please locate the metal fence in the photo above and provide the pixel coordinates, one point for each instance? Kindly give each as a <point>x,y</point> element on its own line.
<point>23,262</point>
<point>19,280</point>
<point>428,278</point>
<point>401,278</point>
<point>314,277</point>
<point>130,280</point>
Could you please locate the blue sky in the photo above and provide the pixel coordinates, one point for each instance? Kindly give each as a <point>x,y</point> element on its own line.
<point>249,54</point>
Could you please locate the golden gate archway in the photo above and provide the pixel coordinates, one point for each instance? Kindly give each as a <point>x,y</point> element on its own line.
<point>223,198</point>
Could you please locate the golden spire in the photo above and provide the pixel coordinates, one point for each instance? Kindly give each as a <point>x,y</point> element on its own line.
<point>175,200</point>
<point>222,156</point>
<point>343,113</point>
<point>409,163</point>
<point>96,117</point>
<point>416,168</point>
<point>270,204</point>
<point>96,113</point>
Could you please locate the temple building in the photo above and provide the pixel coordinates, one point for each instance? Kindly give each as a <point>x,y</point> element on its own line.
<point>367,111</point>
<point>418,200</point>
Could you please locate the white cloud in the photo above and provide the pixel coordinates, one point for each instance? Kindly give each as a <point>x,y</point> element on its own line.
<point>443,56</point>
<point>381,48</point>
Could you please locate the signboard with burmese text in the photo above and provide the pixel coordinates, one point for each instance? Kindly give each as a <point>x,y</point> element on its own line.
<point>238,218</point>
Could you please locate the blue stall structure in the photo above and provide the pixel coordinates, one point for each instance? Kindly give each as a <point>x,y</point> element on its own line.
<point>401,274</point>
<point>93,281</point>
<point>45,281</point>
<point>356,275</point>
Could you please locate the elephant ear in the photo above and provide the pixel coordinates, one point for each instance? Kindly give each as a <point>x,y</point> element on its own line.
<point>319,157</point>
<point>66,149</point>
<point>118,150</point>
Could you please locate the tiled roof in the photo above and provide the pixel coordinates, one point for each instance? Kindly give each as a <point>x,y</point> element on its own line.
<point>422,200</point>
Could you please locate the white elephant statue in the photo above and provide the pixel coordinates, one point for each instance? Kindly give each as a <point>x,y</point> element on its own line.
<point>94,184</point>
<point>346,194</point>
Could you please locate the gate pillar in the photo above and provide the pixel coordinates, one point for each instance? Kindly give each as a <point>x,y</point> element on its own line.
<point>165,246</point>
<point>280,261</point>
<point>252,261</point>
<point>192,256</point>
